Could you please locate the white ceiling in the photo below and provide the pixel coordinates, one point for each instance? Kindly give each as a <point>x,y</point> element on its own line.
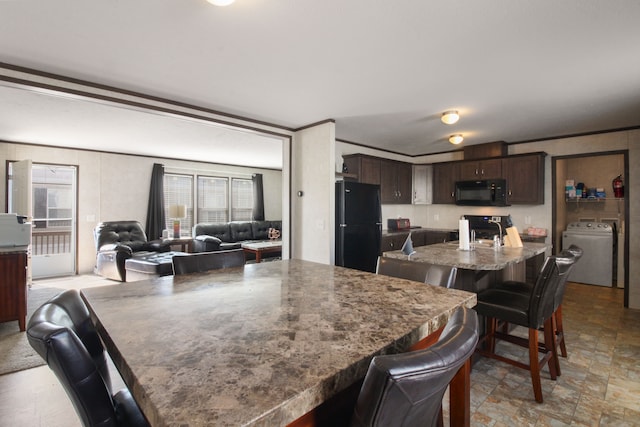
<point>516,70</point>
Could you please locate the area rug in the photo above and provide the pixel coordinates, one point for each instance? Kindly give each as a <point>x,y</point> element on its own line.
<point>15,352</point>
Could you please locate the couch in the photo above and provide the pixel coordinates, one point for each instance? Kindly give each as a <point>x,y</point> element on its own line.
<point>230,235</point>
<point>118,241</point>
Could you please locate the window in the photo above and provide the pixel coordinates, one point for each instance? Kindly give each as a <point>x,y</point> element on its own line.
<point>241,199</point>
<point>53,197</point>
<point>178,190</point>
<point>213,199</point>
<point>218,199</point>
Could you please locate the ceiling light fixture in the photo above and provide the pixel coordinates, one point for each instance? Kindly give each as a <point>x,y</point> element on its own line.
<point>221,2</point>
<point>450,117</point>
<point>456,139</point>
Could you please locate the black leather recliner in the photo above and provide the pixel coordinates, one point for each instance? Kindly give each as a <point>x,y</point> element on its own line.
<point>61,332</point>
<point>117,241</point>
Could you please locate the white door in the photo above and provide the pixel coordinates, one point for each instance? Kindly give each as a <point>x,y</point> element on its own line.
<point>52,214</point>
<point>54,219</point>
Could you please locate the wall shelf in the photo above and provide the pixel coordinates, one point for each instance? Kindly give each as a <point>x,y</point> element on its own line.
<point>592,200</point>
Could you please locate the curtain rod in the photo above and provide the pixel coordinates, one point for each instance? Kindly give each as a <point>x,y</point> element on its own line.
<point>168,169</point>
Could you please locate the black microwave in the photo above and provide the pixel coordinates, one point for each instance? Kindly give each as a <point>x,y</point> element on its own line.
<point>486,192</point>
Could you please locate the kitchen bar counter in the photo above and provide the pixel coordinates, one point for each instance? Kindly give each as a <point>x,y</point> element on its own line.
<point>263,344</point>
<point>482,258</point>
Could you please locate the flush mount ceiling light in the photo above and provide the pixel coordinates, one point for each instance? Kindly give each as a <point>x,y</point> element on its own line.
<point>456,139</point>
<point>450,117</point>
<point>221,2</point>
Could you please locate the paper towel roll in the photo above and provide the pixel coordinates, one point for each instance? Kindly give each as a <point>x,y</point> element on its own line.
<point>463,234</point>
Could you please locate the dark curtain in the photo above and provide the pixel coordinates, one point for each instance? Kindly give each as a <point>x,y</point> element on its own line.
<point>155,211</point>
<point>258,198</point>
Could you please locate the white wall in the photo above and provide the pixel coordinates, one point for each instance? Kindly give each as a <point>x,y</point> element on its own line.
<point>313,213</point>
<point>116,187</point>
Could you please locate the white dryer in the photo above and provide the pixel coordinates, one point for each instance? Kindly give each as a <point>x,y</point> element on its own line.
<point>596,241</point>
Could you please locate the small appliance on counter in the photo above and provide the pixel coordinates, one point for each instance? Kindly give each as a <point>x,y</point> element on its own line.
<point>15,233</point>
<point>398,224</point>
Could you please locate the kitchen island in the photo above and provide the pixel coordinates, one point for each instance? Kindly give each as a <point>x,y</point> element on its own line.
<point>263,344</point>
<point>475,265</point>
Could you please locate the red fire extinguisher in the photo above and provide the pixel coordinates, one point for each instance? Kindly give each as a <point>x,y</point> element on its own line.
<point>618,186</point>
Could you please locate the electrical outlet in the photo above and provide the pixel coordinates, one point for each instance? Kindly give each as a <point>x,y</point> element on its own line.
<point>436,217</point>
<point>496,219</point>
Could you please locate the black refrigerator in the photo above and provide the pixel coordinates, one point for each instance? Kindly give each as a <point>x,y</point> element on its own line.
<point>358,225</point>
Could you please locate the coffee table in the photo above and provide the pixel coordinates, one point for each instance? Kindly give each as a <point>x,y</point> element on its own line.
<point>259,248</point>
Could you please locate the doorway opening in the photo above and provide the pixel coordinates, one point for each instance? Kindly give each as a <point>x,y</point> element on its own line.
<point>596,171</point>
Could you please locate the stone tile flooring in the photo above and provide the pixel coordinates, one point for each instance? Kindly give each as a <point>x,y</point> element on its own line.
<point>600,381</point>
<point>599,385</point>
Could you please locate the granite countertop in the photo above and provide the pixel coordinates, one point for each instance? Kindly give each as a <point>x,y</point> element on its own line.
<point>259,345</point>
<point>482,258</point>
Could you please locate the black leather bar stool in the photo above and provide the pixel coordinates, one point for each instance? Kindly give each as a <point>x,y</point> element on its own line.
<point>406,389</point>
<point>525,288</point>
<point>424,272</point>
<point>532,310</point>
<point>61,332</point>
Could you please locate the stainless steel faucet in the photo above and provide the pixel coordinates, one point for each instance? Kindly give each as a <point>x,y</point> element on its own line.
<point>499,228</point>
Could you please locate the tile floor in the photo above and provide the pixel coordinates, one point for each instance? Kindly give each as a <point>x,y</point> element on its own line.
<point>599,385</point>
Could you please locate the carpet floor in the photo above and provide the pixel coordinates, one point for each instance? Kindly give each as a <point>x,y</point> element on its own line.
<point>15,352</point>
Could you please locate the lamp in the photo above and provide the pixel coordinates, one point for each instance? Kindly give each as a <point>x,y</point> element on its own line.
<point>221,2</point>
<point>456,139</point>
<point>450,117</point>
<point>176,212</point>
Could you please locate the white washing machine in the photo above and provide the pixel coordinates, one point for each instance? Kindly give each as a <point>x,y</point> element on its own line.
<point>596,241</point>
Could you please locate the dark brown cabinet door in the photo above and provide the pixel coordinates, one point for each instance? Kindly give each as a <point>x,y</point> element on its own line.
<point>433,237</point>
<point>13,287</point>
<point>387,182</point>
<point>367,168</point>
<point>525,179</point>
<point>370,170</point>
<point>403,173</point>
<point>481,169</point>
<point>393,242</point>
<point>395,182</point>
<point>445,176</point>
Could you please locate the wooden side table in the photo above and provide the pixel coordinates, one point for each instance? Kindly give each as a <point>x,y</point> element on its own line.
<point>13,287</point>
<point>183,242</point>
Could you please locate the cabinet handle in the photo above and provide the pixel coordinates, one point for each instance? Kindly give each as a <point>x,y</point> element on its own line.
<point>509,192</point>
<point>476,171</point>
<point>482,171</point>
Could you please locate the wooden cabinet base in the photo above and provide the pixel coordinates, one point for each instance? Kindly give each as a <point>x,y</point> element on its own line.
<point>13,287</point>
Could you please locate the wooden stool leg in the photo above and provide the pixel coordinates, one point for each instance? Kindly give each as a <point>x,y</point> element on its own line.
<point>560,330</point>
<point>492,323</point>
<point>551,347</point>
<point>534,364</point>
